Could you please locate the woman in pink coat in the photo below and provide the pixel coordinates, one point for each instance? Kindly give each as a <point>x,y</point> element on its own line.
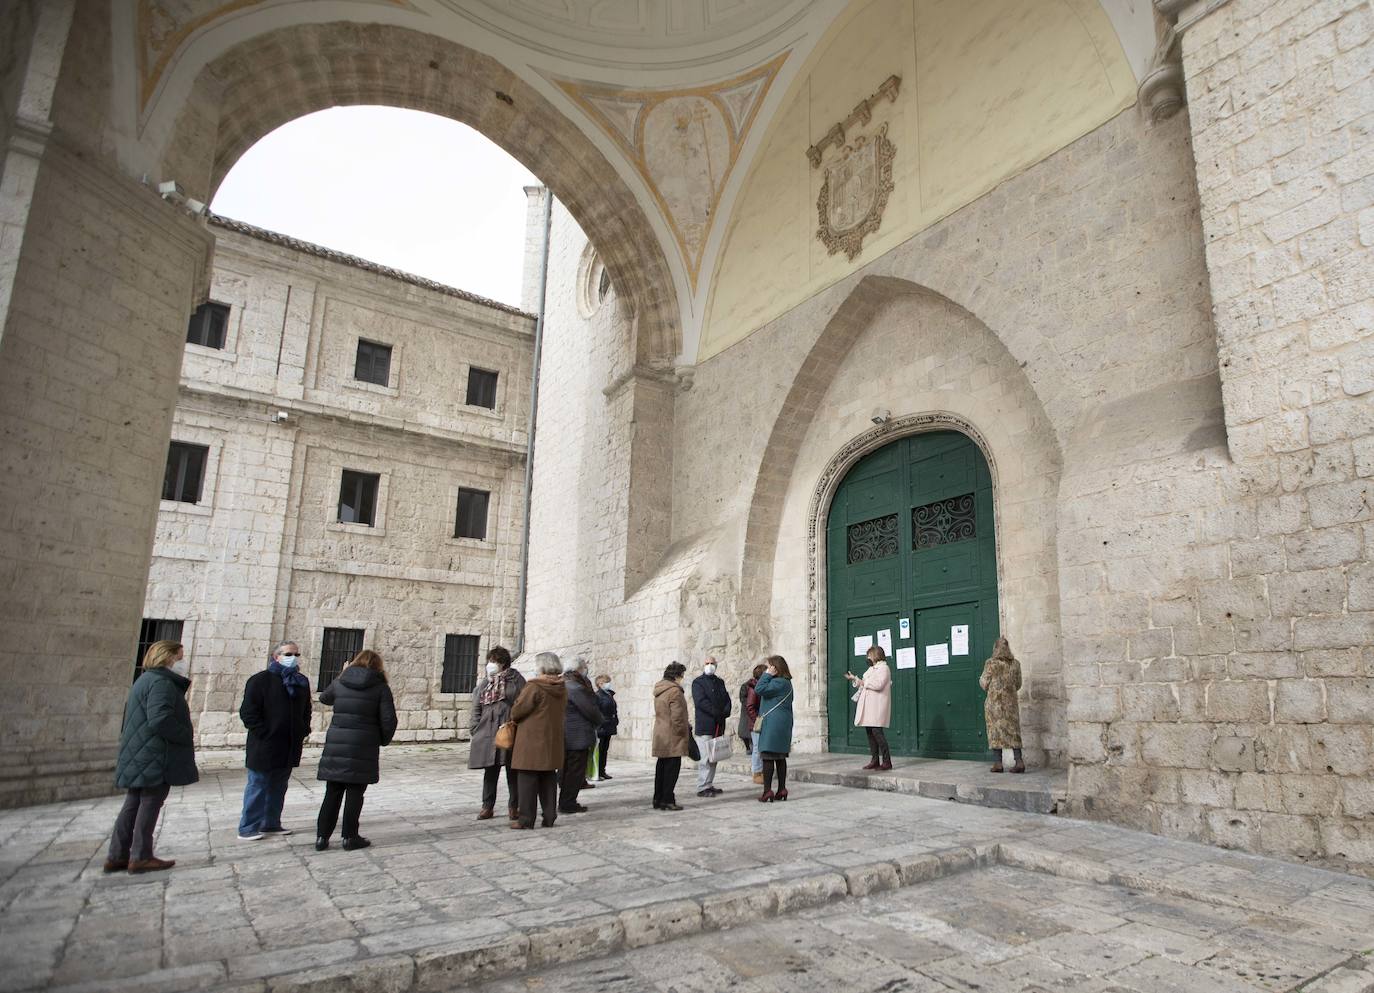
<point>875,706</point>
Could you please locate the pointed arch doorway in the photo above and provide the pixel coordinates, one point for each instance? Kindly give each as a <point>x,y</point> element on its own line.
<point>911,563</point>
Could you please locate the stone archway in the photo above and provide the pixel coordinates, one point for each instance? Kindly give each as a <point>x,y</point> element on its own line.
<point>282,74</point>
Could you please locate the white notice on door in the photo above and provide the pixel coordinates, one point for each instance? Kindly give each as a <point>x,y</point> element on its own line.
<point>906,658</point>
<point>937,655</point>
<point>862,645</point>
<point>958,639</point>
<point>885,641</point>
<point>905,628</point>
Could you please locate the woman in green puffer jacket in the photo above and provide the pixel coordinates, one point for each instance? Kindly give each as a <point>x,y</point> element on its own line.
<point>156,752</point>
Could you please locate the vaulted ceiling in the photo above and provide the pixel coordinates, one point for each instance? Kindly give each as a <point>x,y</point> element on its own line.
<point>677,95</point>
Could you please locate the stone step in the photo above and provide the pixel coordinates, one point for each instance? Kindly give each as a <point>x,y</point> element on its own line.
<point>1037,791</point>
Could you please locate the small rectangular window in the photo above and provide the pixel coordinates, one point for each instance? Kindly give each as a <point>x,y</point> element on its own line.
<point>460,663</point>
<point>482,388</point>
<point>373,364</point>
<point>208,325</point>
<point>337,650</point>
<point>185,472</point>
<point>472,514</point>
<point>358,498</point>
<point>154,629</point>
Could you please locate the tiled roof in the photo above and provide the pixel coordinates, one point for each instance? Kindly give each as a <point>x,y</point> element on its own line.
<point>309,248</point>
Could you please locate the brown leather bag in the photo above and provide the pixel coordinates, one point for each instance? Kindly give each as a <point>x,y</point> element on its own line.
<point>505,736</point>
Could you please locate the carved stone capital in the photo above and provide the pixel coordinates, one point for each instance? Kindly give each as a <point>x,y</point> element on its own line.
<point>1161,92</point>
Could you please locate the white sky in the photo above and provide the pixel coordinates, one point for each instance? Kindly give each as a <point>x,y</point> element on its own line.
<point>404,188</point>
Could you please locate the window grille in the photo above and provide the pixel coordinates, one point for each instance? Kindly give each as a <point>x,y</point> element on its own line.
<point>151,630</point>
<point>460,663</point>
<point>336,651</point>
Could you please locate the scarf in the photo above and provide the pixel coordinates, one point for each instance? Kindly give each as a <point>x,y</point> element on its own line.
<point>294,679</point>
<point>496,688</point>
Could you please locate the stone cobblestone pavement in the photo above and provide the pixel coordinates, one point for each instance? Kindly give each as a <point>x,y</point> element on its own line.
<point>933,893</point>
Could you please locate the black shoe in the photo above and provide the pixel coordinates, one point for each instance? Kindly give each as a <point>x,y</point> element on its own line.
<point>353,844</point>
<point>588,786</point>
<point>607,775</point>
<point>670,806</point>
<point>322,843</point>
<point>705,793</point>
<point>577,809</point>
<point>715,790</point>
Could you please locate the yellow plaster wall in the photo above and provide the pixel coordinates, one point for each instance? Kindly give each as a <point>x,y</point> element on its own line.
<point>989,88</point>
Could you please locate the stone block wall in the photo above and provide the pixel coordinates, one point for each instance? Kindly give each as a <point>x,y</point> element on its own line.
<point>88,358</point>
<point>1254,730</point>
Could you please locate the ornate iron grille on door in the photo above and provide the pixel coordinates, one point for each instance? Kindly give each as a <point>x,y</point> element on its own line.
<point>875,539</point>
<point>943,522</point>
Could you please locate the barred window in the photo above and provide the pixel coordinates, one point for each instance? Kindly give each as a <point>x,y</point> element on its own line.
<point>337,650</point>
<point>151,630</point>
<point>460,663</point>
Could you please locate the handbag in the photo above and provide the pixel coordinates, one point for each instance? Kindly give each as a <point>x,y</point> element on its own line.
<point>758,724</point>
<point>718,749</point>
<point>505,736</point>
<point>693,752</point>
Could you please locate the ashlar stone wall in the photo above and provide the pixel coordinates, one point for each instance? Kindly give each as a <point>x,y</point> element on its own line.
<point>263,556</point>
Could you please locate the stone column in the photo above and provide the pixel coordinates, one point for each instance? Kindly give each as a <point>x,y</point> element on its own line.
<point>104,279</point>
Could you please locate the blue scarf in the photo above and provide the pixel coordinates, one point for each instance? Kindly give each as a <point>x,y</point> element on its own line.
<point>293,678</point>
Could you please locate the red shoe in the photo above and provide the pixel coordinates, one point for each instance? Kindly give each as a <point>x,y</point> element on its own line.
<point>871,765</point>
<point>886,766</point>
<point>781,795</point>
<point>766,797</point>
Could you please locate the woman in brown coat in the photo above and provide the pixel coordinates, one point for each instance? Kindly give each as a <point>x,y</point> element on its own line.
<point>1002,678</point>
<point>672,735</point>
<point>538,715</point>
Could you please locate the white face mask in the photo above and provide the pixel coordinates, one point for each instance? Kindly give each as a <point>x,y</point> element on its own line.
<point>491,668</point>
<point>181,667</point>
<point>606,685</point>
<point>710,670</point>
<point>289,661</point>
<point>567,667</point>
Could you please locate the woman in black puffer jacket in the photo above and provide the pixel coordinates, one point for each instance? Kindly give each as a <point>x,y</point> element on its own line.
<point>364,721</point>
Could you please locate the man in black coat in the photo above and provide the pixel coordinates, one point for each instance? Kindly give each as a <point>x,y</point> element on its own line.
<point>276,712</point>
<point>711,700</point>
<point>610,724</point>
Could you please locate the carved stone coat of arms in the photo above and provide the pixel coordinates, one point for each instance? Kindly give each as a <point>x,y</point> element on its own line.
<point>858,176</point>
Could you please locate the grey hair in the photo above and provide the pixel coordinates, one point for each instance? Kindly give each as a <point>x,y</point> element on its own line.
<point>282,644</point>
<point>547,664</point>
<point>579,664</point>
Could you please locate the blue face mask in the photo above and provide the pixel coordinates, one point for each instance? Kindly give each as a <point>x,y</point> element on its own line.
<point>288,661</point>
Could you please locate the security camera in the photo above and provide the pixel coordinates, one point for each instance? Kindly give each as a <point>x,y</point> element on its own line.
<point>881,415</point>
<point>279,416</point>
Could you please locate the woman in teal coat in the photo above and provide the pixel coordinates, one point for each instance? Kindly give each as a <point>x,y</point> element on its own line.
<point>774,740</point>
<point>156,752</point>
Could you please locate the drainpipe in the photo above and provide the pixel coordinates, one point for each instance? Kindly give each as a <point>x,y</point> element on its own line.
<point>534,416</point>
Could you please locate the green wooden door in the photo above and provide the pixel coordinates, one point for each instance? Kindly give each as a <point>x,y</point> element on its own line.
<point>911,563</point>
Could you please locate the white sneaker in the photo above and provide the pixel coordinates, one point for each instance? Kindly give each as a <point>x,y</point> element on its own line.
<point>279,831</point>
<point>250,837</point>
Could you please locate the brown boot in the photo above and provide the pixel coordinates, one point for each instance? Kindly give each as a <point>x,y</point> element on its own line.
<point>150,865</point>
<point>997,766</point>
<point>513,812</point>
<point>115,865</point>
<point>486,813</point>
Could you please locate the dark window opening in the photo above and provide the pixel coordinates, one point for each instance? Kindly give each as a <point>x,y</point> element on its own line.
<point>482,388</point>
<point>208,325</point>
<point>185,472</point>
<point>460,663</point>
<point>373,364</point>
<point>603,285</point>
<point>358,497</point>
<point>472,514</point>
<point>336,651</point>
<point>154,629</point>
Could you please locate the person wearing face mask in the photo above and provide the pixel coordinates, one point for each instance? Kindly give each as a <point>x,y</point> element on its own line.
<point>711,699</point>
<point>276,712</point>
<point>156,752</point>
<point>773,729</point>
<point>610,724</point>
<point>672,735</point>
<point>579,734</point>
<point>364,722</point>
<point>493,697</point>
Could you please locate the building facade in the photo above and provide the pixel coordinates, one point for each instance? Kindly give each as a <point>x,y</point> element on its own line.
<point>923,321</point>
<point>346,469</point>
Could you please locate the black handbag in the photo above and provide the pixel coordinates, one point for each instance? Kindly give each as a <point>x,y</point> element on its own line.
<point>693,752</point>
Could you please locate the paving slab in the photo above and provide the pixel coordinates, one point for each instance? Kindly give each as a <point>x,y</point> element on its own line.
<point>442,900</point>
